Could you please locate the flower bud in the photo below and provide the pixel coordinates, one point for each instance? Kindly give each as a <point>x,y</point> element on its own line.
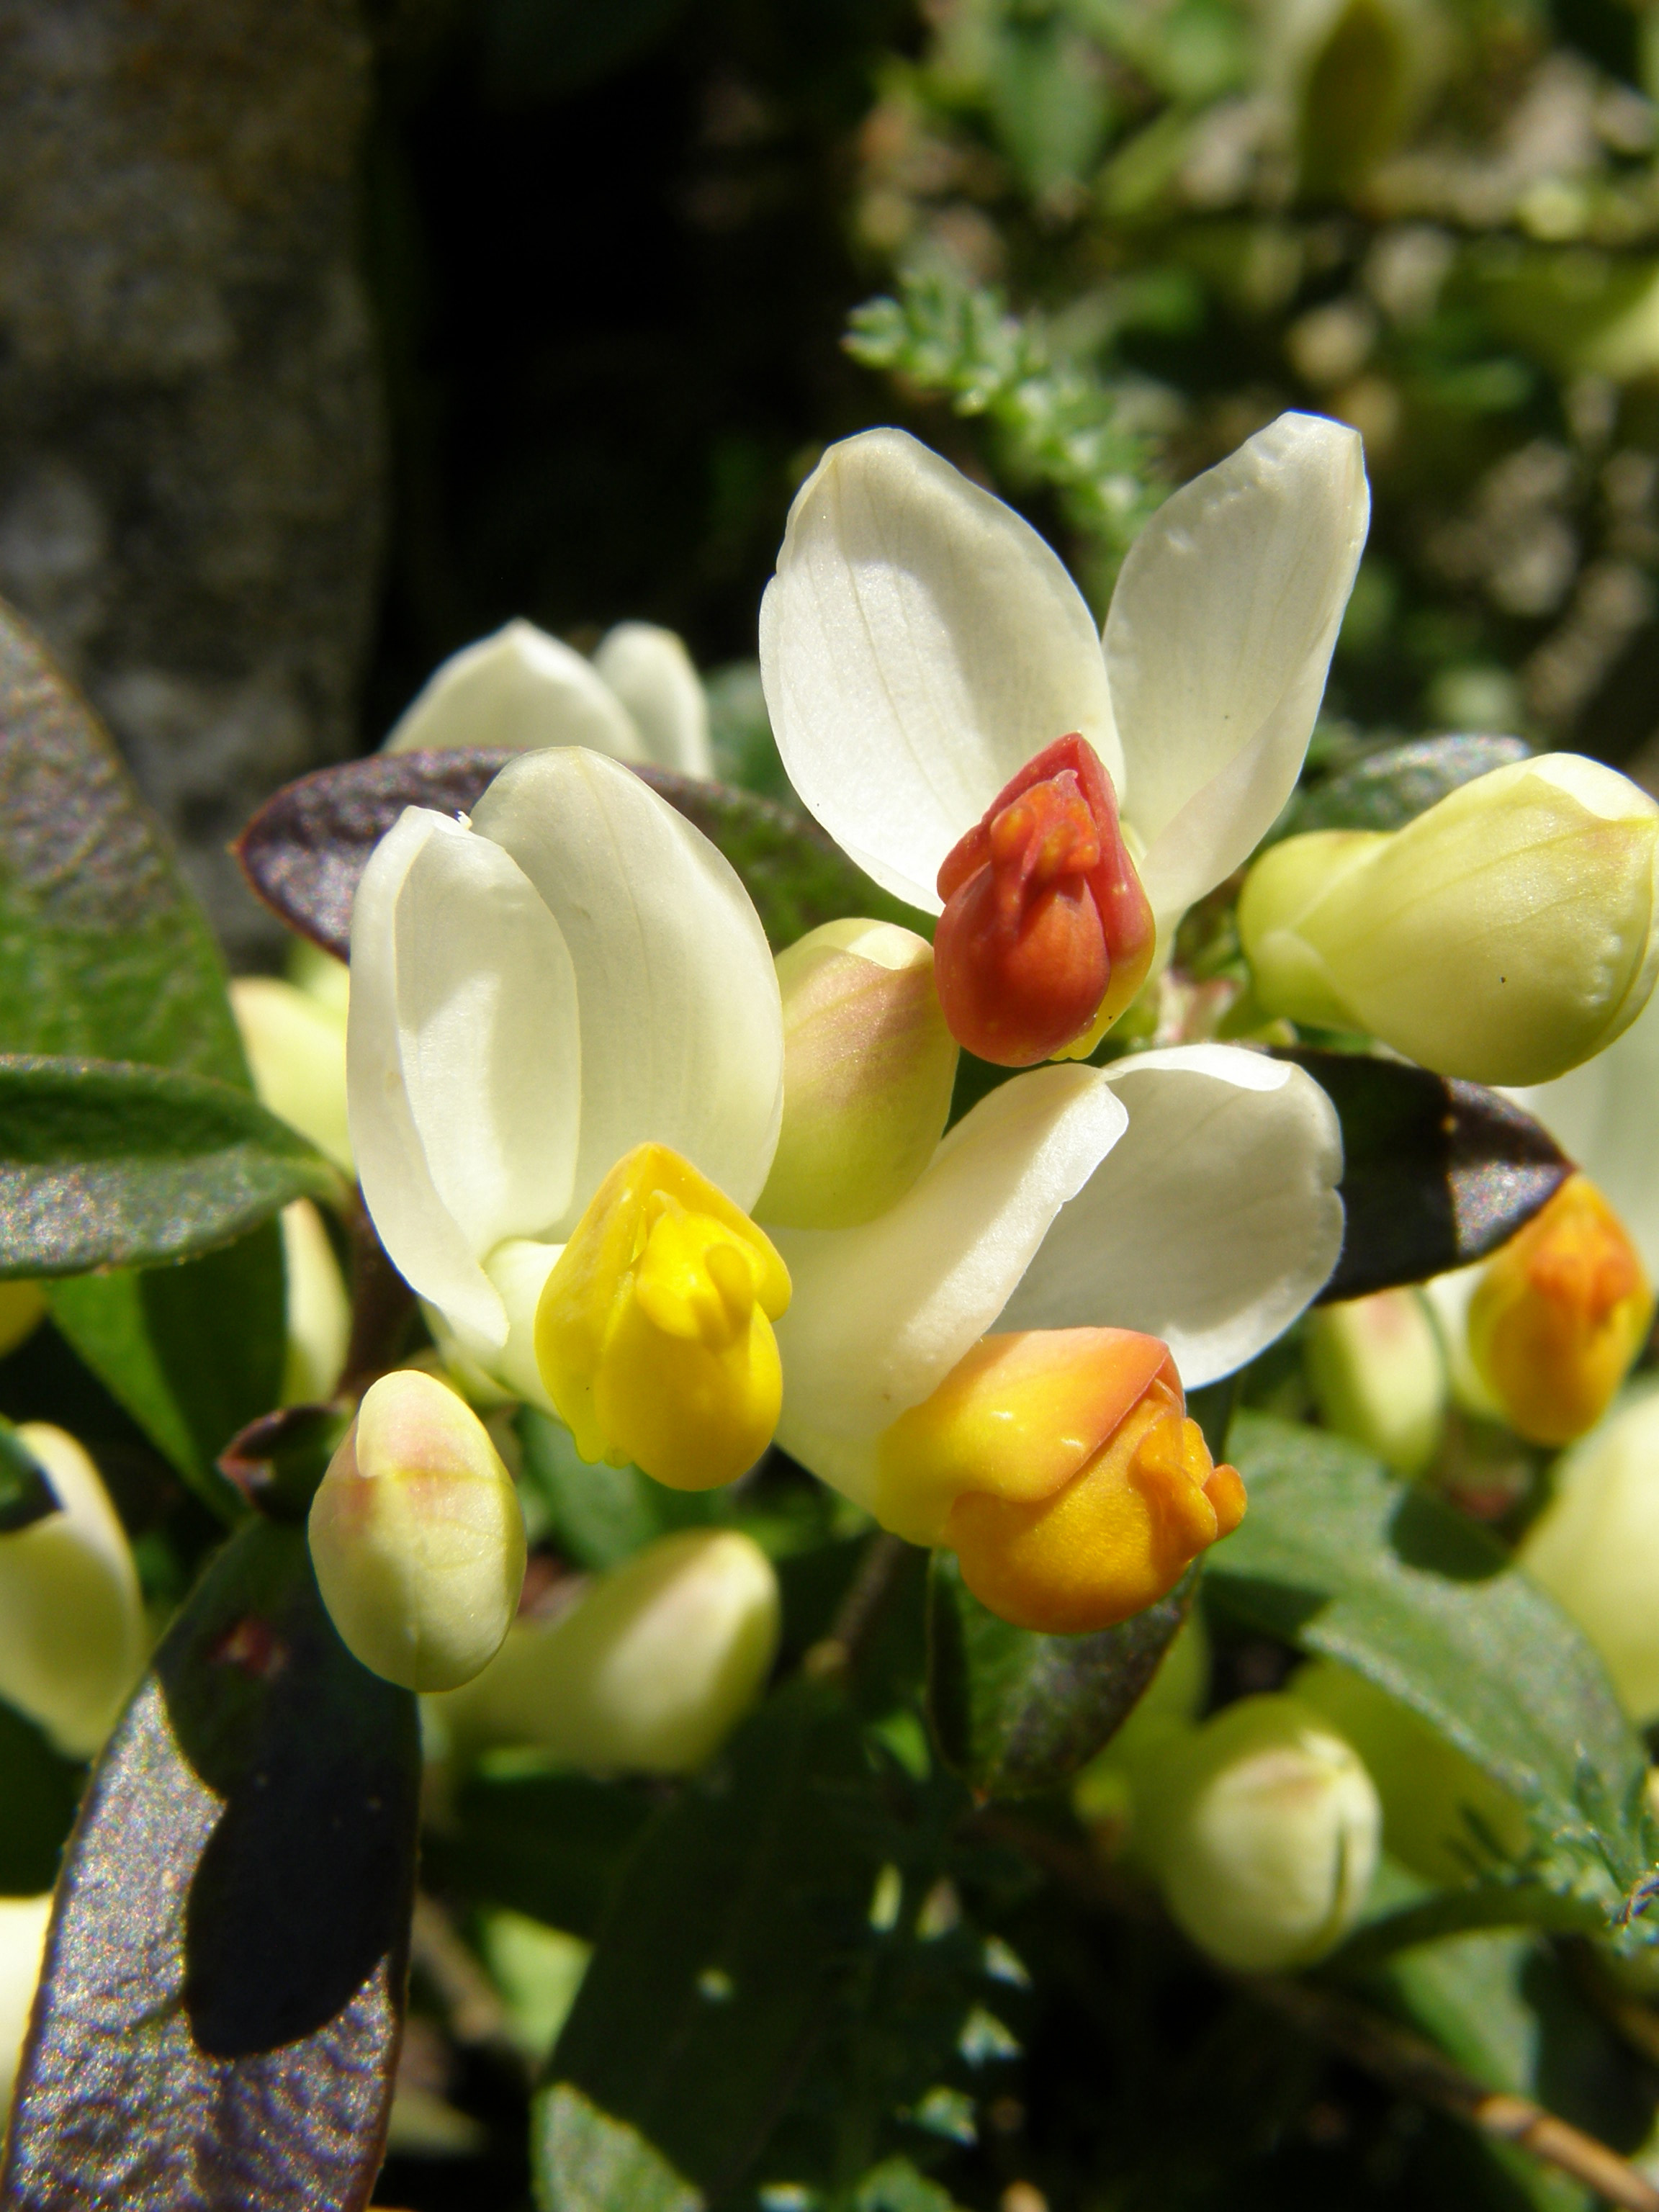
<point>22,1310</point>
<point>297,1048</point>
<point>1441,1816</point>
<point>1047,934</point>
<point>654,1334</point>
<point>868,1066</point>
<point>23,1924</point>
<point>319,1310</point>
<point>1060,1466</point>
<point>72,1634</point>
<point>649,1670</point>
<point>1262,1832</point>
<point>1595,1548</point>
<point>1559,1315</point>
<point>1506,934</point>
<point>1379,1376</point>
<point>417,1536</point>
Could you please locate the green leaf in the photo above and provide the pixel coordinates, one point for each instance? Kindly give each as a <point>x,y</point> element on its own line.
<point>1390,789</point>
<point>37,1806</point>
<point>551,1845</point>
<point>109,1163</point>
<point>1337,1556</point>
<point>103,948</point>
<point>1014,1712</point>
<point>597,1516</point>
<point>895,2186</point>
<point>305,850</point>
<point>193,1352</point>
<point>219,2016</point>
<point>717,1969</point>
<point>1436,1172</point>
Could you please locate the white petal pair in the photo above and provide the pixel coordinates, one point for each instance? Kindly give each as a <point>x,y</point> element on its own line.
<point>574,972</point>
<point>1190,1194</point>
<point>638,699</point>
<point>919,643</point>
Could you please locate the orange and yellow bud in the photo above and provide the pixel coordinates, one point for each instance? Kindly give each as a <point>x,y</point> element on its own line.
<point>654,1334</point>
<point>1060,1466</point>
<point>1047,934</point>
<point>1559,1315</point>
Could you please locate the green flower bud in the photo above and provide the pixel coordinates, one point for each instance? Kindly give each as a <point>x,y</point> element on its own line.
<point>417,1536</point>
<point>24,1923</point>
<point>1261,1830</point>
<point>649,1670</point>
<point>1429,1790</point>
<point>1596,1548</point>
<point>1506,934</point>
<point>72,1634</point>
<point>867,1070</point>
<point>295,1045</point>
<point>1379,1376</point>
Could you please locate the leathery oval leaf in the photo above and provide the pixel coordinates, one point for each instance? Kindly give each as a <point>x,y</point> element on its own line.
<point>220,2008</point>
<point>306,849</point>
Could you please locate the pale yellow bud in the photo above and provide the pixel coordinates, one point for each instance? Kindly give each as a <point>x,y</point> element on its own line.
<point>1379,1376</point>
<point>649,1670</point>
<point>319,1310</point>
<point>1441,1815</point>
<point>1596,1548</point>
<point>24,1923</point>
<point>72,1637</point>
<point>1262,1830</point>
<point>295,1046</point>
<point>417,1536</point>
<point>868,1065</point>
<point>22,1310</point>
<point>1506,934</point>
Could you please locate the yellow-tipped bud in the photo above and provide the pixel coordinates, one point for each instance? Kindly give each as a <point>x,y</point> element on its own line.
<point>1263,1829</point>
<point>295,1043</point>
<point>1560,1315</point>
<point>22,1310</point>
<point>1441,1816</point>
<point>653,1335</point>
<point>1060,1466</point>
<point>72,1636</point>
<point>1506,934</point>
<point>649,1671</point>
<point>868,1065</point>
<point>1595,1548</point>
<point>1380,1377</point>
<point>417,1536</point>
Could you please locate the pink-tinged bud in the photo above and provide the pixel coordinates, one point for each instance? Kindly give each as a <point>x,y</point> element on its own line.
<point>417,1536</point>
<point>1047,934</point>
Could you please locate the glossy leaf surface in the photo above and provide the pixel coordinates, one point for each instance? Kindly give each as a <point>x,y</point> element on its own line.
<point>225,1972</point>
<point>1337,1556</point>
<point>112,1163</point>
<point>1014,1712</point>
<point>305,850</point>
<point>1436,1172</point>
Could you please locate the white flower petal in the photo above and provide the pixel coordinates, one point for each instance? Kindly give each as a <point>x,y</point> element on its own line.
<point>463,1066</point>
<point>518,688</point>
<point>1217,642</point>
<point>681,1028</point>
<point>1211,1225</point>
<point>1605,1116</point>
<point>881,1314</point>
<point>919,643</point>
<point>650,673</point>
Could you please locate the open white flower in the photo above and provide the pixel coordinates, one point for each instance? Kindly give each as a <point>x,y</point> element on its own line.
<point>922,645</point>
<point>574,979</point>
<point>639,698</point>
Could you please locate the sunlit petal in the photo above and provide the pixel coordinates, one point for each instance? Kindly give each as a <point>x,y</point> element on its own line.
<point>682,1029</point>
<point>1214,1221</point>
<point>650,673</point>
<point>519,689</point>
<point>919,643</point>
